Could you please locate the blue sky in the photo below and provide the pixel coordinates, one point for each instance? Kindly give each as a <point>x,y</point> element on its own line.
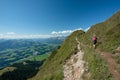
<point>40,18</point>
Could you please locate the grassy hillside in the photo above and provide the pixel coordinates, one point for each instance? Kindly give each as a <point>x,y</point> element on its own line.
<point>108,34</point>
<point>20,71</point>
<point>52,68</point>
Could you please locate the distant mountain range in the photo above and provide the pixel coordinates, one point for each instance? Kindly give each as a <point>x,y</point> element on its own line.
<point>16,50</point>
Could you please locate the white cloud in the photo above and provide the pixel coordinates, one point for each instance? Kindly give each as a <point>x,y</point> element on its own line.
<point>33,36</point>
<point>87,29</point>
<point>64,32</point>
<point>13,35</point>
<point>37,36</point>
<point>54,32</point>
<point>23,36</point>
<point>10,33</point>
<point>1,34</point>
<point>78,29</point>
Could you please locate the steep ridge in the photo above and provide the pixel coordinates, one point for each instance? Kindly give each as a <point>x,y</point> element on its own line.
<point>74,67</point>
<point>105,57</point>
<point>97,66</point>
<point>107,33</point>
<point>52,69</point>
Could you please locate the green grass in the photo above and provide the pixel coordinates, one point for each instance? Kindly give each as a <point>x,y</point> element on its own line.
<point>108,34</point>
<point>117,59</point>
<point>20,71</point>
<point>53,67</point>
<point>6,69</point>
<point>39,57</point>
<point>118,69</point>
<point>97,67</point>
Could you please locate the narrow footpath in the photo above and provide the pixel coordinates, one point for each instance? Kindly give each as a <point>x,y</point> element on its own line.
<point>112,65</point>
<point>74,67</point>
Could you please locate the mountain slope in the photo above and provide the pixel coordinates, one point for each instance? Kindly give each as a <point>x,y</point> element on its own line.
<point>104,61</point>
<point>101,63</point>
<point>108,33</point>
<point>53,67</point>
<point>20,71</point>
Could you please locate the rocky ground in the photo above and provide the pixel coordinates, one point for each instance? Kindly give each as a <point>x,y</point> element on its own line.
<point>74,67</point>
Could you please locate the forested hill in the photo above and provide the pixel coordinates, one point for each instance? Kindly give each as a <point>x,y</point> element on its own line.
<point>97,67</point>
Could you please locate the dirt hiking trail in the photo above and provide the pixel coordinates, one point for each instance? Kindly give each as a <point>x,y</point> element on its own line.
<point>74,67</point>
<point>112,65</point>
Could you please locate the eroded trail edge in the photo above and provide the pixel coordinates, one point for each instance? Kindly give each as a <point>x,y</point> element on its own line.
<point>74,67</point>
<point>112,65</point>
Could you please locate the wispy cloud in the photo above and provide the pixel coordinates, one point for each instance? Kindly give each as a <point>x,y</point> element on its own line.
<point>13,35</point>
<point>10,33</point>
<point>37,36</point>
<point>64,32</point>
<point>87,29</point>
<point>54,32</point>
<point>1,34</point>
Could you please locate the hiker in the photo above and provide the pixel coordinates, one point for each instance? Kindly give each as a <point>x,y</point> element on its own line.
<point>94,39</point>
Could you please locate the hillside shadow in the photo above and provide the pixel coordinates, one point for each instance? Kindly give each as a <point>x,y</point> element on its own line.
<point>23,70</point>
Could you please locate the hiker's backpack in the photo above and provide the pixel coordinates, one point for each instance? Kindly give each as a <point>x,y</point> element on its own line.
<point>94,38</point>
